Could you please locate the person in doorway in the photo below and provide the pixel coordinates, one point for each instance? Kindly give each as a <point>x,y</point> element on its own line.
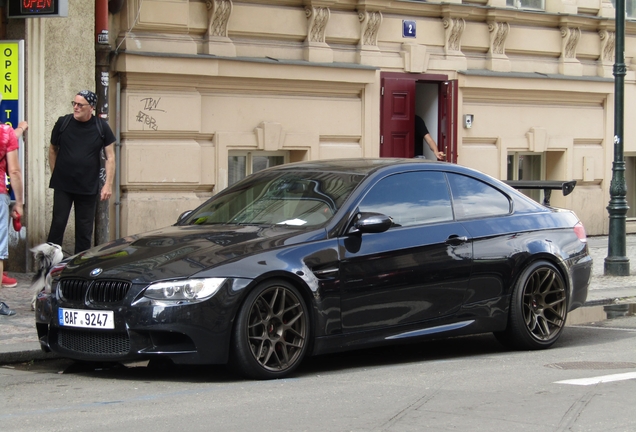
<point>9,165</point>
<point>74,158</point>
<point>422,135</point>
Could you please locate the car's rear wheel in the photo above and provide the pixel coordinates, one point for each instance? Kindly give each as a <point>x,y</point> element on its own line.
<point>538,309</point>
<point>271,332</point>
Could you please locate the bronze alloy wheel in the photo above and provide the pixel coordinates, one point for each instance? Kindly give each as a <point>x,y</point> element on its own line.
<point>544,303</point>
<point>538,308</point>
<point>272,331</point>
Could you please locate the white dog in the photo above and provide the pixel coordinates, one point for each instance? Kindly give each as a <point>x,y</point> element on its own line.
<point>46,256</point>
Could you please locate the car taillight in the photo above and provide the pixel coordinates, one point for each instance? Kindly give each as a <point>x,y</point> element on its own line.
<point>579,230</point>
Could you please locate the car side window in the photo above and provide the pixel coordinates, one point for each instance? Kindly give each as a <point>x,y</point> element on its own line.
<point>411,198</point>
<point>473,198</point>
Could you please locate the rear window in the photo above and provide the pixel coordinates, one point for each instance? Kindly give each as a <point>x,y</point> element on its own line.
<point>473,198</point>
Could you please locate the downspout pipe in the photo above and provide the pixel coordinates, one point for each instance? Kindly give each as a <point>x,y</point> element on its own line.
<point>102,79</point>
<point>118,160</point>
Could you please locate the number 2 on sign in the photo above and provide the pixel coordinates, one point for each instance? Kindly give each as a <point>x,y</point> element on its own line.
<point>408,29</point>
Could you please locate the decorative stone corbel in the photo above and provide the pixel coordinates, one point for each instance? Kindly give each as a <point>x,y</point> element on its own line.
<point>453,31</point>
<point>318,17</point>
<point>216,40</point>
<point>605,62</point>
<point>497,60</point>
<point>454,28</point>
<point>370,22</point>
<point>568,63</point>
<point>316,49</point>
<point>571,37</point>
<point>498,34</point>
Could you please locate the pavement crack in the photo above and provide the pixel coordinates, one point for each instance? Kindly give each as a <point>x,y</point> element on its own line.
<point>411,407</point>
<point>574,412</point>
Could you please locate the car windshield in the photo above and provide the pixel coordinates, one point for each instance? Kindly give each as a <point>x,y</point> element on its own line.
<point>278,197</point>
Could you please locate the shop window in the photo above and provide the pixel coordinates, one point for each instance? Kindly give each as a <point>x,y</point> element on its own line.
<point>526,167</point>
<point>242,164</point>
<point>526,4</point>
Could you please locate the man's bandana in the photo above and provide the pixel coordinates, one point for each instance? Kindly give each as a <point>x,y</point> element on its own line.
<point>90,97</point>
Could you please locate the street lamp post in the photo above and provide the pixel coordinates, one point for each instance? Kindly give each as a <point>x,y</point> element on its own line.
<point>616,262</point>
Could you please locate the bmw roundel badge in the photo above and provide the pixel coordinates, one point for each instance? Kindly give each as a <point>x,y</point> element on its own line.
<point>96,271</point>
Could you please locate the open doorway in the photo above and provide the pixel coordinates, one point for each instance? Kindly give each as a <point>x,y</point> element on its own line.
<point>427,108</point>
<point>434,99</point>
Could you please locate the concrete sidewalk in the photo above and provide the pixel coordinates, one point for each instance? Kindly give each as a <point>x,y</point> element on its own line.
<point>19,342</point>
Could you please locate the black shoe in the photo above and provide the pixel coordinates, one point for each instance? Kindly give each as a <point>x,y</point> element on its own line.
<point>6,310</point>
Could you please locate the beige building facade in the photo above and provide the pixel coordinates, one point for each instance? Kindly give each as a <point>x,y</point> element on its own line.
<point>203,93</point>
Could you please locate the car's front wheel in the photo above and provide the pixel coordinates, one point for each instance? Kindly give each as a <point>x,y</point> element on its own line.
<point>538,309</point>
<point>271,332</point>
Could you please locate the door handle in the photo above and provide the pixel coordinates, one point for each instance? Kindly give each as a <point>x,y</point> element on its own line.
<point>455,240</point>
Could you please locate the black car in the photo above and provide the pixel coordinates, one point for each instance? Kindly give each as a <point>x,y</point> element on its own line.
<point>318,257</point>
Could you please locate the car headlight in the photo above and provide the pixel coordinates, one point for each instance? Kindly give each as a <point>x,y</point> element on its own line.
<point>190,290</point>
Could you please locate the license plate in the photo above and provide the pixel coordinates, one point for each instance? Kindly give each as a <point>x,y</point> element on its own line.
<point>86,318</point>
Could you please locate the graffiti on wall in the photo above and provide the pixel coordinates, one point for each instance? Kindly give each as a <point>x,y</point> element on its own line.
<point>146,116</point>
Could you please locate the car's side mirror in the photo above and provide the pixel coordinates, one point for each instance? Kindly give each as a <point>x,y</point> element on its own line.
<point>183,215</point>
<point>370,223</point>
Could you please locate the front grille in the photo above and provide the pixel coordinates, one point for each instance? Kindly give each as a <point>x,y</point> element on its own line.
<point>73,289</point>
<point>95,343</point>
<point>105,291</point>
<point>99,291</point>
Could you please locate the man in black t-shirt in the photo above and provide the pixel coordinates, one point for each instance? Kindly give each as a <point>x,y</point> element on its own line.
<point>74,159</point>
<point>421,135</point>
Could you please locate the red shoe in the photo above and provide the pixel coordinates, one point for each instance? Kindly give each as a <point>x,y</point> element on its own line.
<point>8,282</point>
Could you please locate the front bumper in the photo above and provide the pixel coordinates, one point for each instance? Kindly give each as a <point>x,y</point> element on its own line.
<point>189,333</point>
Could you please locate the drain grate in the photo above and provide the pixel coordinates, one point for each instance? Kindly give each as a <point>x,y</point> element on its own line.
<point>592,365</point>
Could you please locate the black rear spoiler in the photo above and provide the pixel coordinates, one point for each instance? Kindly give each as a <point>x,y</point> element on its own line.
<point>547,185</point>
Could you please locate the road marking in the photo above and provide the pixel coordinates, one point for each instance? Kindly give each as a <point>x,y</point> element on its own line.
<point>602,328</point>
<point>599,379</point>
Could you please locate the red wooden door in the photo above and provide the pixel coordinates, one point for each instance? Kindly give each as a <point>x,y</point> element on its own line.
<point>447,140</point>
<point>397,117</point>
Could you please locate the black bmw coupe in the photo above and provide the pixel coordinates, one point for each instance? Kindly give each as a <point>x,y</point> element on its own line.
<point>318,257</point>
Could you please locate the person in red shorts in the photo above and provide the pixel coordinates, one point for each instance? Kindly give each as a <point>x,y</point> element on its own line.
<point>9,165</point>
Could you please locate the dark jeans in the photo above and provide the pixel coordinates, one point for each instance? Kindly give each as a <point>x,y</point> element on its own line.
<point>84,218</point>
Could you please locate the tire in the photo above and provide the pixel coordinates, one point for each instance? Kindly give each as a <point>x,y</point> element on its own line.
<point>538,308</point>
<point>271,333</point>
